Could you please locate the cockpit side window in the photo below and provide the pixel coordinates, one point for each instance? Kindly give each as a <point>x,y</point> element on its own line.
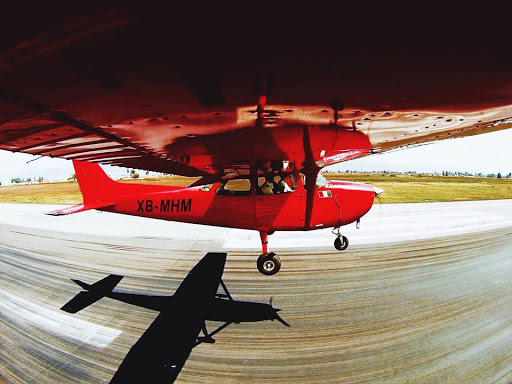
<point>235,187</point>
<point>276,184</point>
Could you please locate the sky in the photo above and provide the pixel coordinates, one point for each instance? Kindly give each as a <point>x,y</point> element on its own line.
<point>488,153</point>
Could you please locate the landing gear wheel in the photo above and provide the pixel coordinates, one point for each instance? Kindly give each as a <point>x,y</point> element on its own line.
<point>268,263</point>
<point>341,243</point>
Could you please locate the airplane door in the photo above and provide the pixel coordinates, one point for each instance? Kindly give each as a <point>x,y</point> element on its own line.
<point>280,202</point>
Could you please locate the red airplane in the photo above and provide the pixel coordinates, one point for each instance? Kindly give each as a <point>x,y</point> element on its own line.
<point>274,199</point>
<point>254,113</point>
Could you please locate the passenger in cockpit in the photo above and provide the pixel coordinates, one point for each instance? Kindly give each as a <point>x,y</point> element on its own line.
<point>267,188</point>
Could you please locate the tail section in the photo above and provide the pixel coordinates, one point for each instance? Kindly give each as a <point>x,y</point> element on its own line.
<point>95,185</point>
<point>94,293</point>
<point>97,189</point>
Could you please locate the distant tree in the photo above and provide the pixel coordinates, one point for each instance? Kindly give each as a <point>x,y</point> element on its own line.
<point>29,180</point>
<point>147,173</point>
<point>132,172</point>
<point>499,175</point>
<point>72,177</point>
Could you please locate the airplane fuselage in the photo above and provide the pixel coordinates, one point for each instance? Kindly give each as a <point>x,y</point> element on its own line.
<point>336,203</point>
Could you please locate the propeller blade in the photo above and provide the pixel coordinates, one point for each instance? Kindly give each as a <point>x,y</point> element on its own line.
<point>280,319</point>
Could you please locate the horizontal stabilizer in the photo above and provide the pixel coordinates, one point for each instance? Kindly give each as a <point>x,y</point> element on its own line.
<point>95,292</point>
<point>80,301</point>
<point>78,208</point>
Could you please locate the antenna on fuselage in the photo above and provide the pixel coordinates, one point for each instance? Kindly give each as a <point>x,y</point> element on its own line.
<point>37,158</point>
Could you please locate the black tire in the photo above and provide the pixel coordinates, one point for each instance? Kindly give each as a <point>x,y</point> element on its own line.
<point>341,243</point>
<point>268,264</point>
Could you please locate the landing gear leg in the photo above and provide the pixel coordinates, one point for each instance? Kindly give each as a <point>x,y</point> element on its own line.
<point>341,242</point>
<point>268,263</point>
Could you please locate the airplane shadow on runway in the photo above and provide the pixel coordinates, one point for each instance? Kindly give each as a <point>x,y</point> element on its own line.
<point>161,352</point>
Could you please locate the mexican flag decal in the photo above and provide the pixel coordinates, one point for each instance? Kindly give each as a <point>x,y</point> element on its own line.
<point>324,194</point>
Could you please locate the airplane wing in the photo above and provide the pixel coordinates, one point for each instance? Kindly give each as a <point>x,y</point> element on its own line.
<point>125,87</point>
<point>205,147</point>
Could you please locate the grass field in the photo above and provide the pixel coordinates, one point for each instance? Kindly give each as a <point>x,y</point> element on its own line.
<point>398,188</point>
<point>423,189</point>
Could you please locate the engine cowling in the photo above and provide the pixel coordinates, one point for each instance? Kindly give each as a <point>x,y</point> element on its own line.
<point>342,202</point>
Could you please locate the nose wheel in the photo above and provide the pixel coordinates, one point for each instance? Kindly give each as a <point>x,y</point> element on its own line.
<point>341,242</point>
<point>268,263</point>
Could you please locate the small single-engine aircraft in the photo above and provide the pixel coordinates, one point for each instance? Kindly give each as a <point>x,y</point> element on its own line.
<point>254,113</point>
<point>272,201</point>
<point>161,352</point>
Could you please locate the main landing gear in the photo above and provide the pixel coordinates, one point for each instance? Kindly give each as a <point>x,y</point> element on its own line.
<point>341,242</point>
<point>268,262</point>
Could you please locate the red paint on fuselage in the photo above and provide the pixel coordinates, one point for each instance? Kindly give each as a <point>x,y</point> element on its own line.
<point>336,203</point>
<point>343,203</point>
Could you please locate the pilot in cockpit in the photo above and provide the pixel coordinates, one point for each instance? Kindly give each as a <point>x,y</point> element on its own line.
<point>280,185</point>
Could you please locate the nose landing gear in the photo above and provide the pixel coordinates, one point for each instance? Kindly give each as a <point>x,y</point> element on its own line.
<point>341,242</point>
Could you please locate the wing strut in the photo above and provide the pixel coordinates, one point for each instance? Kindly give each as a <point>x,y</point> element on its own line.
<point>208,337</point>
<point>226,292</point>
<point>311,172</point>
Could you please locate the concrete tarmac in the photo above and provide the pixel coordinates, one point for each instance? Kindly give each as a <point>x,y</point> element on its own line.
<point>428,301</point>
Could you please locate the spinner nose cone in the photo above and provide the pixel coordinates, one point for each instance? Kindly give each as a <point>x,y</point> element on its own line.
<point>378,190</point>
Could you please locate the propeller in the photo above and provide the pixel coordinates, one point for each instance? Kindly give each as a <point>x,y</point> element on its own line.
<point>277,317</point>
<point>378,199</point>
<point>378,191</point>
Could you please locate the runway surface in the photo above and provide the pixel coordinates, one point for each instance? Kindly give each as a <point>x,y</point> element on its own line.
<point>428,301</point>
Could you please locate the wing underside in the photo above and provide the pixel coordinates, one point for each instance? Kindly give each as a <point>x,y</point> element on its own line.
<point>31,128</point>
<point>99,85</point>
<point>205,146</point>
